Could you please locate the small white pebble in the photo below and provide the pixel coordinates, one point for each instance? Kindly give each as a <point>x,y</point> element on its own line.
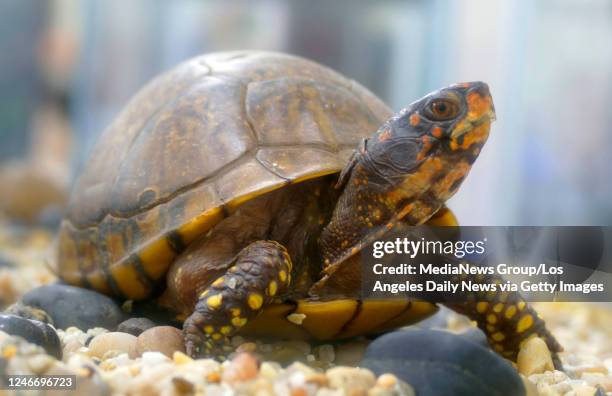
<point>180,358</point>
<point>297,379</point>
<point>387,381</point>
<point>231,283</point>
<point>296,318</point>
<point>154,358</point>
<point>269,370</point>
<point>534,357</point>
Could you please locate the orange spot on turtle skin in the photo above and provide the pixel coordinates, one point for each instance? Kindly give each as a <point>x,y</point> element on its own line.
<point>414,119</point>
<point>405,210</point>
<point>477,105</point>
<point>385,135</point>
<point>436,132</point>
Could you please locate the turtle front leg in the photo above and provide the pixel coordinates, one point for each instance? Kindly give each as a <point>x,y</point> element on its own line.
<point>506,319</point>
<point>259,272</point>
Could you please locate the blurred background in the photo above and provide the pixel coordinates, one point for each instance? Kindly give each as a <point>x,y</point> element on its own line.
<point>67,67</point>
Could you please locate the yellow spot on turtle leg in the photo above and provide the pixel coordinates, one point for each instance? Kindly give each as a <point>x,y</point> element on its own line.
<point>482,306</point>
<point>499,336</point>
<point>282,275</point>
<point>490,328</point>
<point>215,301</point>
<point>510,312</point>
<point>235,312</point>
<point>498,307</point>
<point>521,305</point>
<point>524,323</point>
<point>491,318</point>
<point>255,300</point>
<point>225,330</point>
<point>272,287</point>
<point>209,329</point>
<point>217,336</point>
<point>218,282</point>
<point>238,321</point>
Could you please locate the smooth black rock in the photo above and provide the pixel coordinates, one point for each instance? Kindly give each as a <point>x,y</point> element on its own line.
<point>74,306</point>
<point>33,331</point>
<point>476,335</point>
<point>440,363</point>
<point>135,326</point>
<point>439,320</point>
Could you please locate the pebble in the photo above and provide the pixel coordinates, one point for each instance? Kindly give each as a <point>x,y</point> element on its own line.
<point>135,326</point>
<point>530,388</point>
<point>351,380</point>
<point>284,352</point>
<point>113,341</point>
<point>182,385</point>
<point>243,367</point>
<point>387,381</point>
<point>350,353</point>
<point>180,358</point>
<point>152,358</point>
<point>534,357</point>
<point>72,347</point>
<point>598,379</point>
<point>33,331</point>
<point>75,306</point>
<point>436,362</point>
<point>88,382</point>
<point>29,312</point>
<point>39,364</point>
<point>164,339</point>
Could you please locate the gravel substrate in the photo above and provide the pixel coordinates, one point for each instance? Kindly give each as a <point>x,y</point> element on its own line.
<point>152,362</point>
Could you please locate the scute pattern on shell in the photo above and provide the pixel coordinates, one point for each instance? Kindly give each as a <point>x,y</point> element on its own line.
<point>193,144</point>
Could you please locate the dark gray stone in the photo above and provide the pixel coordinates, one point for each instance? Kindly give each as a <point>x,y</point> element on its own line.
<point>74,306</point>
<point>476,335</point>
<point>440,363</point>
<point>135,326</point>
<point>33,331</point>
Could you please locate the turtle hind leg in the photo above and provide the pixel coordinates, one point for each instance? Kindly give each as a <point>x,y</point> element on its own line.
<point>259,272</point>
<point>508,321</point>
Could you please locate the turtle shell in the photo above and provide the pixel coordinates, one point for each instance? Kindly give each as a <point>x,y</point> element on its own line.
<point>194,144</point>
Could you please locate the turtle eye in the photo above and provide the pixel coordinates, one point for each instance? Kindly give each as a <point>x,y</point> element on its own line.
<point>441,110</point>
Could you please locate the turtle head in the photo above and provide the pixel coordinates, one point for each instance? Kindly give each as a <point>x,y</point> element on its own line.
<point>414,163</point>
<point>455,119</point>
<point>429,141</point>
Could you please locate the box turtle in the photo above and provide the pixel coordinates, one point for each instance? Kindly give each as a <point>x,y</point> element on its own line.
<point>238,188</point>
